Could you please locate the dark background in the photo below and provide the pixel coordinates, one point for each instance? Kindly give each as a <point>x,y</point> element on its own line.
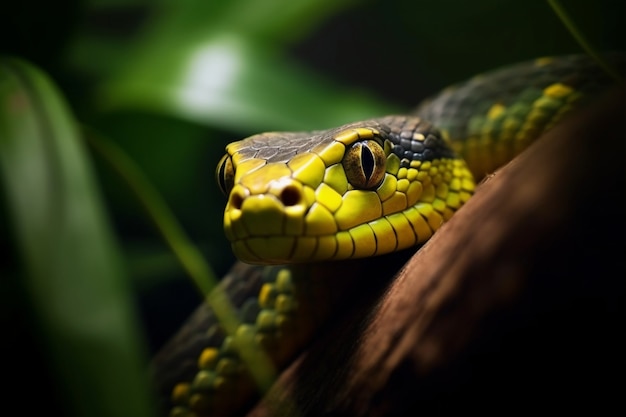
<point>397,52</point>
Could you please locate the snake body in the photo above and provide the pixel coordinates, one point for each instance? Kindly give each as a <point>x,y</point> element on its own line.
<point>362,189</point>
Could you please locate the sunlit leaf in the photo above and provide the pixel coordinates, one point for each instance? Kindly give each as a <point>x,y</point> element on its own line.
<point>219,63</point>
<point>233,84</point>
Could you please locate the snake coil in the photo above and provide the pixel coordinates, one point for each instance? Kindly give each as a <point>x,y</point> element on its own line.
<point>355,191</point>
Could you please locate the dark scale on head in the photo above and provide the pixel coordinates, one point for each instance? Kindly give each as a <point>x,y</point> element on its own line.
<point>405,143</point>
<point>267,152</point>
<point>428,146</point>
<point>278,147</point>
<point>417,146</point>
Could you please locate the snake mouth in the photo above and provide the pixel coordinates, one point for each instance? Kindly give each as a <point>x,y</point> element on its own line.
<point>360,242</point>
<point>376,237</point>
<point>276,250</point>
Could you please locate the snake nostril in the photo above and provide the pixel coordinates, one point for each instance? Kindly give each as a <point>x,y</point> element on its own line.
<point>236,200</point>
<point>290,196</point>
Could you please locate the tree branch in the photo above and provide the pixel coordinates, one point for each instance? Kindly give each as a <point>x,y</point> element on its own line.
<point>513,305</point>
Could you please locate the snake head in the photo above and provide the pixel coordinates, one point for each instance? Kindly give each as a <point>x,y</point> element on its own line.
<point>362,189</point>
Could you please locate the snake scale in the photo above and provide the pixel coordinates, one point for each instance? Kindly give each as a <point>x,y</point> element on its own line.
<point>368,188</point>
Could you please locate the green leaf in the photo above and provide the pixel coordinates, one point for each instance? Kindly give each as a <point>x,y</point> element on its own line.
<point>72,269</point>
<point>279,21</point>
<point>234,84</point>
<point>220,64</point>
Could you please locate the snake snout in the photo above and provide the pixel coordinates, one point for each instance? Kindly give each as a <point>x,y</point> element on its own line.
<point>288,193</point>
<point>279,208</point>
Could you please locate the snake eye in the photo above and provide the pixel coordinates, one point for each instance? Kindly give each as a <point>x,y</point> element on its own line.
<point>225,174</point>
<point>364,164</point>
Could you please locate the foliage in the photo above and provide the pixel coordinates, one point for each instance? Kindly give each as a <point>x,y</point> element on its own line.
<point>165,85</point>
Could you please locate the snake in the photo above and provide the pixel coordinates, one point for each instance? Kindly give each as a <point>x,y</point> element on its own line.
<point>303,208</point>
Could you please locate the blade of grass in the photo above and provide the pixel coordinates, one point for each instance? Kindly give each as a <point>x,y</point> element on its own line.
<point>185,251</point>
<point>584,43</point>
<point>72,266</point>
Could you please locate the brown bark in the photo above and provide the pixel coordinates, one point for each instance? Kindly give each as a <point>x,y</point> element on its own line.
<point>514,305</point>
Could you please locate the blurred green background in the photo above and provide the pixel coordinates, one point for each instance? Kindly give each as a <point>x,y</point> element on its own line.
<point>171,83</point>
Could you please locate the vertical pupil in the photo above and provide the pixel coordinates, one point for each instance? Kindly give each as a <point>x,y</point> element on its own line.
<point>367,162</point>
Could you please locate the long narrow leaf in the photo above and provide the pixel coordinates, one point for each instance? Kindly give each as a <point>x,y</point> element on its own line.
<point>72,268</point>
